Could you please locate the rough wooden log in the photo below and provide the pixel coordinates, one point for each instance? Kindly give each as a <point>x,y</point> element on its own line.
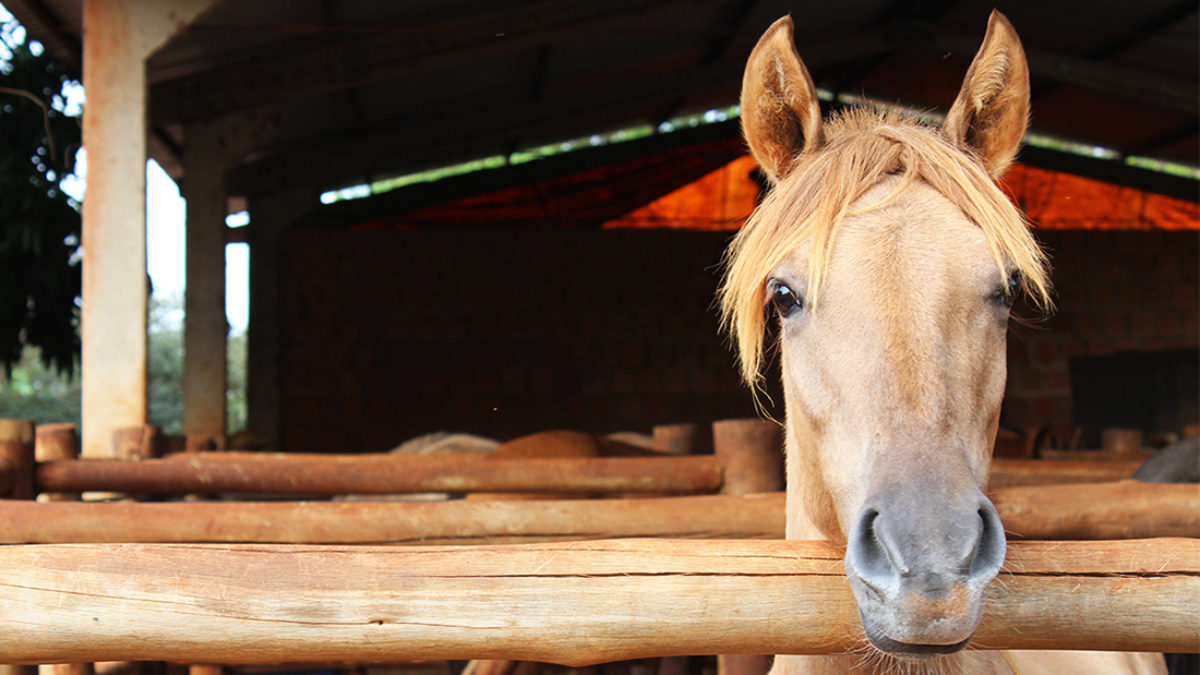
<point>311,474</point>
<point>679,439</point>
<point>1017,472</point>
<point>576,603</point>
<point>378,474</point>
<point>16,481</point>
<point>454,522</point>
<point>54,442</point>
<point>1087,511</point>
<point>16,458</point>
<point>751,455</point>
<point>1120,510</point>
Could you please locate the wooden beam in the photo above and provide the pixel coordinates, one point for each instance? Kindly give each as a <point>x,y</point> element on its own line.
<point>326,67</point>
<point>411,144</point>
<point>296,473</point>
<point>575,604</point>
<point>1017,472</point>
<point>327,474</point>
<point>451,522</point>
<point>1123,510</point>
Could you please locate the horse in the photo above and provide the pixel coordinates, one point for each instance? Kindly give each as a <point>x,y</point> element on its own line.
<point>885,262</point>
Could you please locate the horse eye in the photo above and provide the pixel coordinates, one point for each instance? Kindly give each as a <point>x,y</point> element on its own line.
<point>784,300</point>
<point>1005,295</point>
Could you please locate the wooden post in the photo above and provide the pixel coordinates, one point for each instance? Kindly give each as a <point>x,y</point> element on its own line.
<point>17,460</point>
<point>577,603</point>
<point>680,439</point>
<point>137,443</point>
<point>56,442</point>
<point>129,445</point>
<point>751,455</point>
<point>16,452</point>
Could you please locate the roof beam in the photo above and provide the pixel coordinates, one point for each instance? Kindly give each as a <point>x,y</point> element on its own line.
<point>403,144</point>
<point>408,142</point>
<point>1131,37</point>
<point>321,69</point>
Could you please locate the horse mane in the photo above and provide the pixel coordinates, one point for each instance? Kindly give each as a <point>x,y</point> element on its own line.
<point>861,148</point>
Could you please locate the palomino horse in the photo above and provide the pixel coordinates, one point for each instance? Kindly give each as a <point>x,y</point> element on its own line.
<point>890,260</point>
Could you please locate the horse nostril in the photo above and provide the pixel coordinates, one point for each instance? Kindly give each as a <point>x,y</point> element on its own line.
<point>869,555</point>
<point>989,552</point>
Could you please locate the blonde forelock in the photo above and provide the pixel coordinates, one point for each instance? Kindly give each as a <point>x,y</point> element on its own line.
<point>806,207</point>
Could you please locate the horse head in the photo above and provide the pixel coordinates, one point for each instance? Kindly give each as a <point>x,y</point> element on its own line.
<point>887,261</point>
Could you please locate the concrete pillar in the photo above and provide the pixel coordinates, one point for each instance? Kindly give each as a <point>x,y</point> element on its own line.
<point>205,326</point>
<point>210,146</point>
<point>270,216</point>
<point>118,36</point>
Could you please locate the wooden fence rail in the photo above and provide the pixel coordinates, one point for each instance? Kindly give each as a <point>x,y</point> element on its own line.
<point>317,474</point>
<point>571,603</point>
<point>1124,510</point>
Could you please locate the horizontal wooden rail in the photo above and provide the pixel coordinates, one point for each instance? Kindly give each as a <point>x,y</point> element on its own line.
<point>452,522</point>
<point>1007,472</point>
<point>1120,510</point>
<point>314,474</point>
<point>571,603</point>
<point>1124,510</point>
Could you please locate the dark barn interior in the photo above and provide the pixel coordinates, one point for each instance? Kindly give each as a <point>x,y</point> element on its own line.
<point>499,302</point>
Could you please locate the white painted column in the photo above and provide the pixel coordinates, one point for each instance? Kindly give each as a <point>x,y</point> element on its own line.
<point>118,36</point>
<point>210,146</point>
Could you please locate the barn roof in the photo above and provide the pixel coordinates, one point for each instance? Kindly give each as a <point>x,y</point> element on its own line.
<point>357,90</point>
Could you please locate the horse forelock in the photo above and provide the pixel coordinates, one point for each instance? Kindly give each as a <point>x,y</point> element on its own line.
<point>807,207</point>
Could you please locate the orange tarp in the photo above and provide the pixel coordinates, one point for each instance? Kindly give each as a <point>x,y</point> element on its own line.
<point>724,198</point>
<point>1062,201</point>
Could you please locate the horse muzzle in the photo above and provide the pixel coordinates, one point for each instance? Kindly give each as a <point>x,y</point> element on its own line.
<point>919,567</point>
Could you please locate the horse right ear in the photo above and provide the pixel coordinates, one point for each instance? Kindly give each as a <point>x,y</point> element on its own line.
<point>781,116</point>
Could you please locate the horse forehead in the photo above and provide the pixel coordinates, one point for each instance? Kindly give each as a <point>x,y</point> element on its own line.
<point>908,245</point>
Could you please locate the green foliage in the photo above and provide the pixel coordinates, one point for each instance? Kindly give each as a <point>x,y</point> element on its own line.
<point>39,223</point>
<point>38,392</point>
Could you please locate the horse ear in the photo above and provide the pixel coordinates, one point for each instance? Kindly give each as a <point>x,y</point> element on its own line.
<point>992,109</point>
<point>781,116</point>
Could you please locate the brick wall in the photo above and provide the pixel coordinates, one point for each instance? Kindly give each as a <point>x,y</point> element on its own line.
<point>390,334</point>
<point>1118,291</point>
<point>501,333</point>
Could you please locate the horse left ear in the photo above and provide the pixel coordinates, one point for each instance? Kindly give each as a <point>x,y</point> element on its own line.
<point>781,116</point>
<point>992,109</point>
